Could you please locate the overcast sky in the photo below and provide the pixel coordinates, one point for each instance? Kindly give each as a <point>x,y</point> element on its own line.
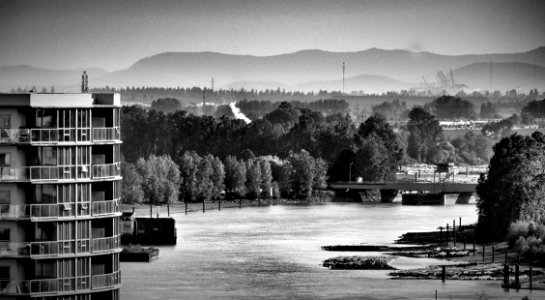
<point>113,34</point>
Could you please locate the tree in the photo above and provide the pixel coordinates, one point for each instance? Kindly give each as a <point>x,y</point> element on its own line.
<point>514,187</point>
<point>304,172</point>
<point>425,135</point>
<point>160,179</point>
<point>449,107</point>
<point>204,174</point>
<point>166,105</point>
<point>218,177</point>
<point>131,187</point>
<point>235,177</point>
<point>189,164</point>
<point>266,178</point>
<point>253,178</point>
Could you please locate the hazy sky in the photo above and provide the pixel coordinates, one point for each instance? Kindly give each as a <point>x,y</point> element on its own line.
<point>114,34</point>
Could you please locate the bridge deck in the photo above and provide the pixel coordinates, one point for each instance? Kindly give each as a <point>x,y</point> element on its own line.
<point>437,187</point>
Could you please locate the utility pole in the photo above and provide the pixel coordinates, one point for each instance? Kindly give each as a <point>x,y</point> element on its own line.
<point>343,76</point>
<point>535,87</point>
<point>491,91</point>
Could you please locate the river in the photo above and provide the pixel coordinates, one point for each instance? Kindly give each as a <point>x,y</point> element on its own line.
<point>274,252</point>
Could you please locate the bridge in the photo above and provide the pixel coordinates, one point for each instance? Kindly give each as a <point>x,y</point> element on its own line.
<point>414,191</point>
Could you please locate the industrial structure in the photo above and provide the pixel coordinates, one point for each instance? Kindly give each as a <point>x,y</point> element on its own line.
<point>59,195</point>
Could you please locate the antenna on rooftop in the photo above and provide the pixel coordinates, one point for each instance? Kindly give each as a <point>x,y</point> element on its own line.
<point>84,83</point>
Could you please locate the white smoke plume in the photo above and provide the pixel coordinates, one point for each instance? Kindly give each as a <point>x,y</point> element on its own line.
<point>238,114</point>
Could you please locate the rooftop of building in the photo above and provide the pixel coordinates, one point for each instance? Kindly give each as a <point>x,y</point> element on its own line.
<point>60,100</point>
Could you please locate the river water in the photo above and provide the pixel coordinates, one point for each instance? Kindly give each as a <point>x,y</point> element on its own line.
<point>275,252</point>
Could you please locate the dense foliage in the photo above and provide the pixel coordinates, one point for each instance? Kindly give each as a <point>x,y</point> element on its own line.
<point>425,136</point>
<point>449,107</point>
<point>514,188</point>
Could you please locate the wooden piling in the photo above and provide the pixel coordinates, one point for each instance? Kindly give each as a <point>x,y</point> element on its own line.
<point>465,241</point>
<point>530,278</point>
<point>506,255</point>
<point>168,209</point>
<point>506,276</point>
<point>185,205</point>
<point>203,206</point>
<point>460,223</point>
<point>517,274</point>
<point>454,231</point>
<point>240,203</point>
<point>444,273</point>
<point>483,252</point>
<point>219,204</point>
<point>446,235</point>
<point>493,253</point>
<point>151,211</point>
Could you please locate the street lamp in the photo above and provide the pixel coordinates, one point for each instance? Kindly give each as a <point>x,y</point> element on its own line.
<point>350,172</point>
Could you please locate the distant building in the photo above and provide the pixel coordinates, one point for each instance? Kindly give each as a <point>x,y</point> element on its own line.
<point>59,196</point>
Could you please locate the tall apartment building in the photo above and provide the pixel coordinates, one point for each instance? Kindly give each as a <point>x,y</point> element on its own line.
<point>59,196</point>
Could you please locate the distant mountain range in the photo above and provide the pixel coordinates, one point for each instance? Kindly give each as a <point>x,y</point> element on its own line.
<point>303,70</point>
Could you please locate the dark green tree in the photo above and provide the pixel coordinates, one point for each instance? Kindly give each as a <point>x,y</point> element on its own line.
<point>514,187</point>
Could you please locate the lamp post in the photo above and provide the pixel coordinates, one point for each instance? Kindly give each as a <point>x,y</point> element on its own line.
<point>350,172</point>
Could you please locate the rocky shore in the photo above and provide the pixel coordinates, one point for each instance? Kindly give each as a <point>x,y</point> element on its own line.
<point>358,263</point>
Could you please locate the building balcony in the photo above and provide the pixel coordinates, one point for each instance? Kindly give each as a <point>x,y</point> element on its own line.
<point>106,244</point>
<point>105,208</point>
<point>106,171</point>
<point>68,248</point>
<point>69,285</point>
<point>59,211</point>
<point>55,249</point>
<point>106,281</point>
<point>106,134</point>
<point>46,136</point>
<point>59,173</point>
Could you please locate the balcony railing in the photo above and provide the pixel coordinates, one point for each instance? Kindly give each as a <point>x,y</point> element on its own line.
<point>105,244</point>
<point>54,249</point>
<point>104,134</point>
<point>10,136</point>
<point>106,280</point>
<point>14,249</point>
<point>14,211</point>
<point>44,211</point>
<point>58,135</point>
<point>107,207</point>
<point>58,285</point>
<point>106,170</point>
<point>14,287</point>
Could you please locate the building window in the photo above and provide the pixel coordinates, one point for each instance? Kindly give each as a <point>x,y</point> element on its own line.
<point>4,276</point>
<point>4,234</point>
<point>5,159</point>
<point>4,201</point>
<point>5,121</point>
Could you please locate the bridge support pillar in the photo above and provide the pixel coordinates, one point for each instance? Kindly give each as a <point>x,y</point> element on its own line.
<point>370,195</point>
<point>423,199</point>
<point>388,196</point>
<point>463,198</point>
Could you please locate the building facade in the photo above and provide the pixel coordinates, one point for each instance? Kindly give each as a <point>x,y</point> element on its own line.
<point>59,196</point>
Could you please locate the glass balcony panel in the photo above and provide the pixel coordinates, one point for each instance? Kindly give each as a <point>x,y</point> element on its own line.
<point>103,134</point>
<point>14,211</point>
<point>10,136</point>
<point>105,207</point>
<point>106,244</point>
<point>13,249</point>
<point>13,287</point>
<point>106,170</point>
<point>106,280</point>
